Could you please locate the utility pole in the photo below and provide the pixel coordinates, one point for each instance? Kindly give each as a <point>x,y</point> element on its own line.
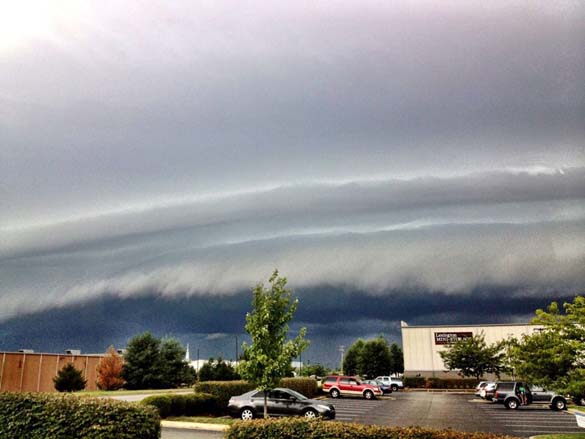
<point>236,359</point>
<point>342,350</point>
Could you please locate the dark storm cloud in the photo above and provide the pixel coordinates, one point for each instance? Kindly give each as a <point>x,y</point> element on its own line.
<point>107,321</point>
<point>186,149</point>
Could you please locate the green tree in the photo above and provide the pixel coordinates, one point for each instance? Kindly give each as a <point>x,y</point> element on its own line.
<point>473,357</point>
<point>376,358</point>
<point>69,379</point>
<point>175,370</point>
<point>555,356</point>
<point>397,359</point>
<point>352,362</point>
<point>269,356</point>
<point>315,370</point>
<point>151,363</point>
<point>142,367</point>
<point>217,370</point>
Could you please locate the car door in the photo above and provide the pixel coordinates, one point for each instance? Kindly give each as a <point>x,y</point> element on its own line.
<point>280,403</point>
<point>538,394</point>
<point>344,386</point>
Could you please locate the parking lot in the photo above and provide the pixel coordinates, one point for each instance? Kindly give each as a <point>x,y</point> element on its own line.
<point>460,412</point>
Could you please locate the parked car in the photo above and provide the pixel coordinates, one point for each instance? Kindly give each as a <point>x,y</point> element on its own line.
<point>487,391</point>
<point>339,385</point>
<point>480,386</point>
<point>385,388</point>
<point>508,393</point>
<point>395,383</point>
<point>281,402</point>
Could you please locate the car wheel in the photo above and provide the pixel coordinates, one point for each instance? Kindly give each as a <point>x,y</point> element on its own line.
<point>368,394</point>
<point>559,404</point>
<point>512,403</point>
<point>394,387</point>
<point>311,414</point>
<point>334,393</point>
<point>246,414</point>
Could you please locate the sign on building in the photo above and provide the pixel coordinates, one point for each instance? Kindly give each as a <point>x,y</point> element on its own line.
<point>451,337</point>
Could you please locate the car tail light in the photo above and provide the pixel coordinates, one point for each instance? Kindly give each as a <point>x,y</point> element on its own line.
<point>496,395</point>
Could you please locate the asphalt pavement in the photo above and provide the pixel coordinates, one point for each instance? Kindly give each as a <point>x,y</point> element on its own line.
<point>462,412</point>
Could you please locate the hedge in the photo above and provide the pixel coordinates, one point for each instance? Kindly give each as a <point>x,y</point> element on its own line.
<point>294,428</point>
<point>51,416</point>
<point>194,404</point>
<point>222,391</point>
<point>305,386</point>
<point>440,383</point>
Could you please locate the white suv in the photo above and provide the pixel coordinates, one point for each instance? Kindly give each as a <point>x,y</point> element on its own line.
<point>394,383</point>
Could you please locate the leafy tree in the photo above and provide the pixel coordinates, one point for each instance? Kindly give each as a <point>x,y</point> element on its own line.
<point>375,358</point>
<point>154,364</point>
<point>315,369</point>
<point>109,371</point>
<point>353,358</point>
<point>217,370</point>
<point>269,356</point>
<point>175,370</point>
<point>69,379</point>
<point>142,368</point>
<point>473,357</point>
<point>555,356</point>
<point>396,359</point>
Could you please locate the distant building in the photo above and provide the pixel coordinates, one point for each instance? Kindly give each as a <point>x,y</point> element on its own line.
<point>421,344</point>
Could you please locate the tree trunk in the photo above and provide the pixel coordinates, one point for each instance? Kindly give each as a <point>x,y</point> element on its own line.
<point>266,404</point>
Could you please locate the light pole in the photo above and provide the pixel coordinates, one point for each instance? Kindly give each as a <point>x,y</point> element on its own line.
<point>236,359</point>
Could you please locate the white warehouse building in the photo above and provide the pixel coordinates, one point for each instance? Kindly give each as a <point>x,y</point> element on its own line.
<point>421,344</point>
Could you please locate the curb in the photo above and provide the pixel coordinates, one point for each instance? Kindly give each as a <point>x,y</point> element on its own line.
<point>193,426</point>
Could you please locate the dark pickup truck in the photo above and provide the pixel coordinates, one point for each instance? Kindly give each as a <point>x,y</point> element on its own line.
<point>508,393</point>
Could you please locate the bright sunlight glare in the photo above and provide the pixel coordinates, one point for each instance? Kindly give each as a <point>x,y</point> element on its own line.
<point>25,21</point>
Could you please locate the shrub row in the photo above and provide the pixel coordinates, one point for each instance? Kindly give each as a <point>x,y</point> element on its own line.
<point>222,391</point>
<point>439,383</point>
<point>50,416</point>
<point>306,386</point>
<point>182,405</point>
<point>294,428</point>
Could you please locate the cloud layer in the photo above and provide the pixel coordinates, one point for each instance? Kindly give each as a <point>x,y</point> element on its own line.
<point>508,229</point>
<point>186,149</point>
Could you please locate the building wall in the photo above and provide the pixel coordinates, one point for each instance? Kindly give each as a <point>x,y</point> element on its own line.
<point>421,347</point>
<point>25,372</point>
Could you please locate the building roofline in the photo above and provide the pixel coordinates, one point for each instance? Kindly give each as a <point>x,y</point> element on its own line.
<point>404,325</point>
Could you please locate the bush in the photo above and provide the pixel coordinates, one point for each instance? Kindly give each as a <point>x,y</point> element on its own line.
<point>294,428</point>
<point>222,391</point>
<point>54,416</point>
<point>69,379</point>
<point>414,382</point>
<point>183,405</point>
<point>306,386</point>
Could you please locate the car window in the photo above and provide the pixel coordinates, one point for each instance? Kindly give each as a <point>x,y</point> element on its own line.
<point>331,379</point>
<point>353,382</point>
<point>258,394</point>
<point>279,394</point>
<point>298,395</point>
<point>344,381</point>
<point>505,386</point>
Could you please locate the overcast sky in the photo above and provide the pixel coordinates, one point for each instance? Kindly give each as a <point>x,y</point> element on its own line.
<point>383,149</point>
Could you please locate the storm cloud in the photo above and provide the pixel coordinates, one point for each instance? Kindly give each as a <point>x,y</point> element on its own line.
<point>377,150</point>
